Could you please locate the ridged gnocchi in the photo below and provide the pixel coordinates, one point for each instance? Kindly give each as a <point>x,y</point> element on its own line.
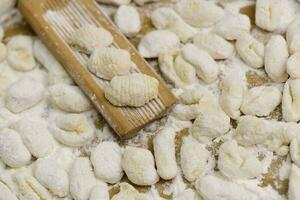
<point>139,166</point>
<point>106,159</point>
<point>291,101</point>
<point>69,98</point>
<point>191,96</point>
<point>261,100</point>
<point>267,14</point>
<point>88,38</point>
<point>292,65</point>
<point>6,193</point>
<point>186,112</point>
<point>72,130</point>
<point>206,68</point>
<point>276,56</point>
<point>23,94</point>
<point>214,44</point>
<point>131,90</point>
<point>108,62</point>
<point>295,151</point>
<point>292,36</point>
<point>250,50</point>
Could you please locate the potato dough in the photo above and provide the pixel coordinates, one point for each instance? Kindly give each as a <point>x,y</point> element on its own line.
<point>6,118</point>
<point>100,192</point>
<point>206,68</point>
<point>293,65</point>
<point>293,37</point>
<point>127,192</point>
<point>69,98</point>
<point>106,159</point>
<point>291,101</point>
<point>12,150</point>
<point>295,150</point>
<point>3,52</point>
<point>138,164</point>
<point>132,90</point>
<point>261,100</point>
<point>276,55</point>
<point>23,94</point>
<point>267,14</point>
<point>191,96</point>
<point>294,182</point>
<point>5,192</point>
<point>186,112</point>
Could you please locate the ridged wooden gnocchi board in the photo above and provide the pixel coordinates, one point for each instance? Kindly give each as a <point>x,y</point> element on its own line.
<point>54,21</point>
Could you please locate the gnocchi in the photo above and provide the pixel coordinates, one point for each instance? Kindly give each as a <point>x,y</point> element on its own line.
<point>294,182</point>
<point>139,166</point>
<point>127,192</point>
<point>20,53</point>
<point>215,45</point>
<point>292,36</point>
<point>23,94</point>
<point>206,68</point>
<point>6,118</point>
<point>72,130</point>
<point>193,158</point>
<point>276,56</point>
<point>52,176</point>
<point>132,90</point>
<point>3,52</point>
<point>267,14</point>
<point>261,100</point>
<point>106,159</point>
<point>69,98</point>
<point>12,150</point>
<point>292,65</point>
<point>109,62</point>
<point>199,13</point>
<point>186,112</point>
<point>191,96</point>
<point>88,38</point>
<point>291,101</point>
<point>250,50</point>
<point>100,191</point>
<point>164,152</point>
<point>82,179</point>
<point>295,151</point>
<point>155,42</point>
<point>6,193</point>
<point>236,162</point>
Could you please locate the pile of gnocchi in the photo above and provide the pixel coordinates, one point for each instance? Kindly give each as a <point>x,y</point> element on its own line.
<point>233,134</point>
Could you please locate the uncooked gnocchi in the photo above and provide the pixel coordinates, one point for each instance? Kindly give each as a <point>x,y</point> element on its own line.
<point>206,68</point>
<point>88,38</point>
<point>72,130</point>
<point>23,94</point>
<point>191,96</point>
<point>293,65</point>
<point>108,62</point>
<point>261,100</point>
<point>7,118</point>
<point>276,55</point>
<point>52,176</point>
<point>293,37</point>
<point>237,162</point>
<point>214,44</point>
<point>295,151</point>
<point>100,191</point>
<point>69,98</point>
<point>106,159</point>
<point>6,193</point>
<point>3,52</point>
<point>132,90</point>
<point>138,164</point>
<point>193,158</point>
<point>12,150</point>
<point>127,192</point>
<point>250,50</point>
<point>291,101</point>
<point>267,14</point>
<point>294,182</point>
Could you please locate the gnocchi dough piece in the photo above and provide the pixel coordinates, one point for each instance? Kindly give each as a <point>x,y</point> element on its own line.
<point>30,188</point>
<point>82,179</point>
<point>295,150</point>
<point>12,150</point>
<point>199,13</point>
<point>3,52</point>
<point>211,122</point>
<point>142,2</point>
<point>6,118</point>
<point>176,69</point>
<point>6,193</point>
<point>128,20</point>
<point>89,37</point>
<point>252,130</point>
<point>20,53</point>
<point>115,2</point>
<point>52,176</point>
<point>188,194</point>
<point>100,192</point>
<point>7,77</point>
<point>167,18</point>
<point>206,68</point>
<point>291,101</point>
<point>186,112</point>
<point>106,159</point>
<point>132,90</point>
<point>293,37</point>
<point>35,135</point>
<point>232,94</point>
<point>108,62</point>
<point>237,162</point>
<point>127,192</point>
<point>276,55</point>
<point>215,45</point>
<point>294,182</point>
<point>232,25</point>
<point>69,98</point>
<point>155,42</point>
<point>164,152</point>
<point>267,14</point>
<point>191,96</point>
<point>72,130</point>
<point>261,100</point>
<point>138,164</point>
<point>193,158</point>
<point>23,94</point>
<point>250,50</point>
<point>293,65</point>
